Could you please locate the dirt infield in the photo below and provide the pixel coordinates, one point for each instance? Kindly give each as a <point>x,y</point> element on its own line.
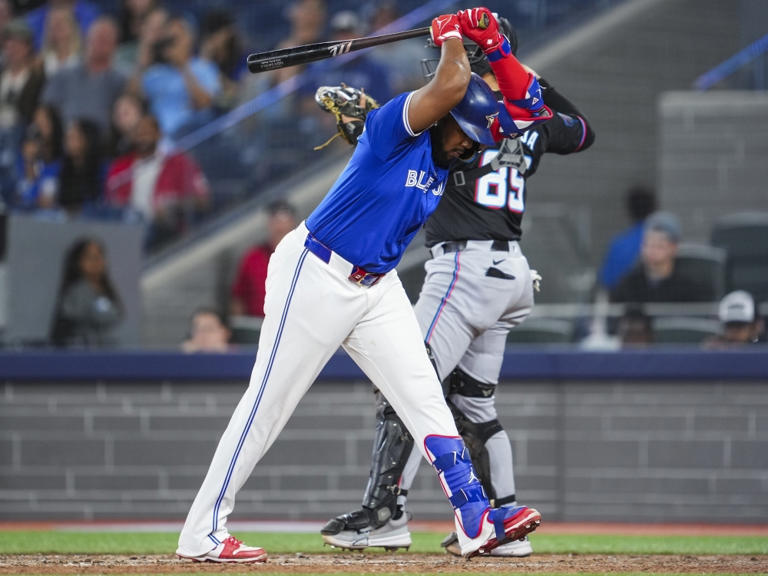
<point>380,563</point>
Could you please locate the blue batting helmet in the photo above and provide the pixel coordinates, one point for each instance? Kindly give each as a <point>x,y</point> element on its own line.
<point>476,111</point>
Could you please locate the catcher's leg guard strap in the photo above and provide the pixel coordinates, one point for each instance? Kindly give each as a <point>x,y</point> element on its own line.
<point>391,448</point>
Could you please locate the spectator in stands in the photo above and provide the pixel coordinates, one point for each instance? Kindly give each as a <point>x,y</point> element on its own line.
<point>655,278</point>
<point>131,18</point>
<point>61,41</point>
<point>402,59</point>
<point>248,291</point>
<point>360,70</point>
<point>308,20</point>
<point>133,58</point>
<point>180,87</point>
<point>39,162</point>
<point>21,82</point>
<point>208,332</point>
<point>86,13</point>
<point>90,89</point>
<point>88,308</point>
<point>126,114</point>
<point>167,189</point>
<point>82,170</point>
<point>6,13</point>
<point>740,320</point>
<point>624,248</point>
<point>222,45</point>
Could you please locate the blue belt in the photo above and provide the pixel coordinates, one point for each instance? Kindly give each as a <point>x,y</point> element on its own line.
<point>358,275</point>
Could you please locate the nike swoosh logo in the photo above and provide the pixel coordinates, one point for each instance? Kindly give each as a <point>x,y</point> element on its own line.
<point>497,262</point>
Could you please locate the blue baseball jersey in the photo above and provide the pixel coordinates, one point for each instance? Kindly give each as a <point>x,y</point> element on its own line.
<point>384,195</point>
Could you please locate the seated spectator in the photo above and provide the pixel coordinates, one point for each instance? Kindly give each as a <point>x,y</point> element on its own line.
<point>90,89</point>
<point>221,44</point>
<point>133,58</point>
<point>208,332</point>
<point>624,248</point>
<point>402,59</point>
<point>85,14</point>
<point>167,189</point>
<point>21,82</point>
<point>39,161</point>
<point>248,291</point>
<point>740,320</point>
<point>61,41</point>
<point>88,308</point>
<point>126,114</point>
<point>179,87</point>
<point>360,70</point>
<point>131,18</point>
<point>655,278</point>
<point>82,171</point>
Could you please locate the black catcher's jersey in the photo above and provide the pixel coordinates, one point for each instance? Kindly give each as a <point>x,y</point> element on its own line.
<point>486,199</point>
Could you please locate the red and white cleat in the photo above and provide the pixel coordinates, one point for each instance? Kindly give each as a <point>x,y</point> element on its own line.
<point>231,550</point>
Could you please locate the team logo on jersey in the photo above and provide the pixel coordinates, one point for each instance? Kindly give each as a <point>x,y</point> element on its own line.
<point>419,179</point>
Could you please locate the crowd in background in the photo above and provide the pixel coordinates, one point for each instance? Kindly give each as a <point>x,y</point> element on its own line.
<point>93,102</point>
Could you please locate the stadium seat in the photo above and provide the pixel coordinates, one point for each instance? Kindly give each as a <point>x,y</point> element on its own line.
<point>683,330</point>
<point>542,331</point>
<point>245,329</point>
<point>744,237</point>
<point>705,264</point>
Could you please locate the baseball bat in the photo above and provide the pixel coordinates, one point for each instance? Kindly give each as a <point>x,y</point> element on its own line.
<point>275,59</point>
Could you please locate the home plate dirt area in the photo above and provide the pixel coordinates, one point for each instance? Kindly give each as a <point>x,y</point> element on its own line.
<point>360,563</point>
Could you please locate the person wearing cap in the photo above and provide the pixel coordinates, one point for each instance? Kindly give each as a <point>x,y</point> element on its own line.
<point>740,320</point>
<point>656,278</point>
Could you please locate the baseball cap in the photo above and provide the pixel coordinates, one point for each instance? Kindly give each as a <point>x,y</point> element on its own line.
<point>737,306</point>
<point>665,222</point>
<point>344,20</point>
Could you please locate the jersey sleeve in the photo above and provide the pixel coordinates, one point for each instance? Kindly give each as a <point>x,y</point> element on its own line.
<point>569,130</point>
<point>388,127</point>
<point>565,134</point>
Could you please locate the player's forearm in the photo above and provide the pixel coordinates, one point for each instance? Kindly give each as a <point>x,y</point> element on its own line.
<point>559,103</point>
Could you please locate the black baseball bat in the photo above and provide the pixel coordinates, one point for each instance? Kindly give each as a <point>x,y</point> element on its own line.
<point>274,59</point>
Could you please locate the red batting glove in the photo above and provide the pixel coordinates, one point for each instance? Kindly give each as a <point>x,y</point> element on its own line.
<point>480,26</point>
<point>443,27</point>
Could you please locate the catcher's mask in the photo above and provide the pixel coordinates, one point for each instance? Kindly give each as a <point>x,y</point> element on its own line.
<point>477,59</point>
<point>476,111</point>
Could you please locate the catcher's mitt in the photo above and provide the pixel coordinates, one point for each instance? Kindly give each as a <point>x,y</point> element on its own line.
<point>350,106</point>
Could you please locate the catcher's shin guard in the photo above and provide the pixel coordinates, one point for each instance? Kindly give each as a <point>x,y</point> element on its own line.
<point>391,449</point>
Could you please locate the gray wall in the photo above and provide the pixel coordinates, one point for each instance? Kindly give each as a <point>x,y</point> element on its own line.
<point>36,251</point>
<point>712,156</point>
<point>639,451</point>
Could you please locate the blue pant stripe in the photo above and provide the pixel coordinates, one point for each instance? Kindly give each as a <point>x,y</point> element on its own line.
<point>445,298</point>
<point>260,394</point>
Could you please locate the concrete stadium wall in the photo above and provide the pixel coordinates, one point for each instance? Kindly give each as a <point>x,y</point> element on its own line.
<point>588,450</point>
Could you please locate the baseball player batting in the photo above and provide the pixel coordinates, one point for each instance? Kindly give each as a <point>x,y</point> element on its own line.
<point>478,287</point>
<point>331,282</point>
